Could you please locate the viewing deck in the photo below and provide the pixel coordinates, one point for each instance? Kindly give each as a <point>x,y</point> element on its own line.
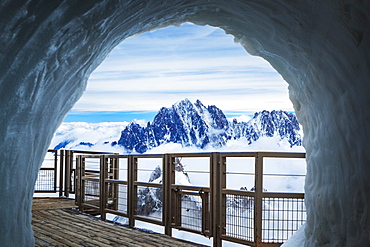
<point>55,223</point>
<point>249,198</point>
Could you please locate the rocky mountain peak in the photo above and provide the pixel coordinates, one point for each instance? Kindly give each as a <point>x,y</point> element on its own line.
<point>194,124</point>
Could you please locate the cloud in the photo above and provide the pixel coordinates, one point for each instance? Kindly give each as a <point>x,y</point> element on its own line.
<point>159,68</point>
<point>103,134</point>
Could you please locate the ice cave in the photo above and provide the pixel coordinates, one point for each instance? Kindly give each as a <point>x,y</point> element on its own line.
<point>321,48</point>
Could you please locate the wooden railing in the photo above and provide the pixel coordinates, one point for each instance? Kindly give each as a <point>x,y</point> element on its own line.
<point>118,185</point>
<point>57,173</point>
<point>213,210</point>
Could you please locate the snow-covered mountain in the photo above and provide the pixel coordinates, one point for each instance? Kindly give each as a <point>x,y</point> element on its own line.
<point>193,124</point>
<point>185,127</point>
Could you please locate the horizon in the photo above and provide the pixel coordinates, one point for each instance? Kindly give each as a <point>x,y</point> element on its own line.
<point>159,68</point>
<point>141,116</point>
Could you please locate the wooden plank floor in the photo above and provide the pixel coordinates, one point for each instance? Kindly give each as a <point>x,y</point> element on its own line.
<point>56,224</point>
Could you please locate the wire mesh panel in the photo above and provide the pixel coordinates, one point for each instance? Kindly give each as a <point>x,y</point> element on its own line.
<point>47,176</point>
<point>281,218</point>
<point>191,212</point>
<point>92,193</point>
<point>240,217</point>
<point>45,180</point>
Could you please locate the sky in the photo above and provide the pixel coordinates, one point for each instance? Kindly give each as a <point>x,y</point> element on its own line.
<point>157,69</point>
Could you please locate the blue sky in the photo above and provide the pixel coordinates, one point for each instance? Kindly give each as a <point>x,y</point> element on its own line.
<point>160,68</point>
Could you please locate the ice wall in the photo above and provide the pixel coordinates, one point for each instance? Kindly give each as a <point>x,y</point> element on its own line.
<point>49,48</point>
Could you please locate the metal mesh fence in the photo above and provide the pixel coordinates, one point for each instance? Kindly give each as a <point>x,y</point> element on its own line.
<point>240,217</point>
<point>45,180</point>
<point>281,218</point>
<point>92,193</point>
<point>191,212</point>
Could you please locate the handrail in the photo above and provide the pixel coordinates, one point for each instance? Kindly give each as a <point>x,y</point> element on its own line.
<point>240,216</point>
<point>211,201</point>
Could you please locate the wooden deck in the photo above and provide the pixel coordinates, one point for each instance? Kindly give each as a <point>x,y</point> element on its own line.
<point>56,224</point>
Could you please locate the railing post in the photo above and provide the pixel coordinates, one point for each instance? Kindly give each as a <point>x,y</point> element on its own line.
<point>205,213</point>
<point>167,205</point>
<point>55,170</point>
<point>258,193</point>
<point>102,187</point>
<point>67,175</point>
<point>174,200</point>
<point>132,176</point>
<point>61,174</point>
<point>79,186</point>
<point>217,184</point>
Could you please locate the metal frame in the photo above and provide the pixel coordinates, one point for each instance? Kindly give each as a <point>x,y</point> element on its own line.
<point>52,170</point>
<point>212,212</point>
<point>64,171</point>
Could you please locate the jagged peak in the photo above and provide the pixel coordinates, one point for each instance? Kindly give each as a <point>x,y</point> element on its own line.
<point>199,104</point>
<point>191,124</point>
<point>185,101</point>
<point>280,113</point>
<point>134,124</point>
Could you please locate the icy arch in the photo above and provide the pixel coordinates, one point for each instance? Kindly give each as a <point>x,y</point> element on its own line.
<point>321,48</point>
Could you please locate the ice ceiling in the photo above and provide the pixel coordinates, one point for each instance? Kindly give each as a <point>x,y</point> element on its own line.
<point>321,48</point>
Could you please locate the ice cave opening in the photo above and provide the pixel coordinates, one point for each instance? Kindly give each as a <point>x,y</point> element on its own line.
<point>321,48</point>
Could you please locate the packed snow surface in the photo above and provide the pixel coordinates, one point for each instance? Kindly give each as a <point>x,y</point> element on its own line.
<point>48,50</point>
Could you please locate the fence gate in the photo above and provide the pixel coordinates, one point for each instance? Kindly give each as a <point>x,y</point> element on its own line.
<point>92,171</point>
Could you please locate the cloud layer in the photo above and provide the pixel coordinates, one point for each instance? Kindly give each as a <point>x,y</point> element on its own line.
<point>159,68</point>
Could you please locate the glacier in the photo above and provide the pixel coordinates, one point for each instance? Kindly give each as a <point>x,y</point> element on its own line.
<point>321,48</point>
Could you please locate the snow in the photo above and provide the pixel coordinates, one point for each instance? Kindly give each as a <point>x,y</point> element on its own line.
<point>298,239</point>
<point>320,48</point>
<point>241,118</point>
<point>181,179</point>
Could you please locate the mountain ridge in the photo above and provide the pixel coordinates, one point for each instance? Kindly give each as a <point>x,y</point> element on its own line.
<point>194,124</point>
